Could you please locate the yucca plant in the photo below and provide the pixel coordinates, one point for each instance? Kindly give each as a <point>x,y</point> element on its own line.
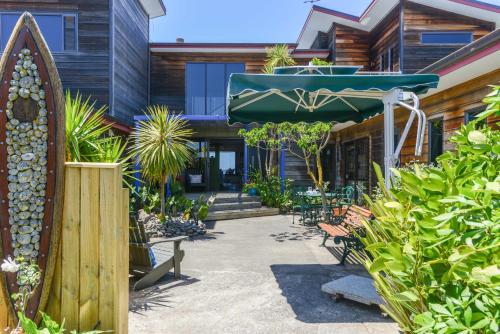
<point>84,128</point>
<point>278,56</point>
<point>161,147</point>
<point>88,138</point>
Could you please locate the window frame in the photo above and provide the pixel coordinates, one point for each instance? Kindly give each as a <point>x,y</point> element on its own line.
<point>444,32</point>
<point>430,137</point>
<point>62,15</point>
<point>471,114</point>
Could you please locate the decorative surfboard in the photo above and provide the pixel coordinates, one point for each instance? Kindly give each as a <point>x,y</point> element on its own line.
<point>32,155</point>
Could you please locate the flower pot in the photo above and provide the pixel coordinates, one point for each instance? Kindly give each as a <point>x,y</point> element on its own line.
<point>252,192</point>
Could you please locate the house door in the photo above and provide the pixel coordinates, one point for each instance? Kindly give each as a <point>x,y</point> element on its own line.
<point>356,165</point>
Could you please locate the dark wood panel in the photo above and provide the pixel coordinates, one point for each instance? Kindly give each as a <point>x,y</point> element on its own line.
<point>419,18</point>
<point>351,47</point>
<point>87,70</point>
<point>130,67</point>
<point>383,37</point>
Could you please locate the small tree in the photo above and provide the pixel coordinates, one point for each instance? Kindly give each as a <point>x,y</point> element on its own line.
<point>161,147</point>
<point>264,138</point>
<point>307,142</point>
<point>267,137</point>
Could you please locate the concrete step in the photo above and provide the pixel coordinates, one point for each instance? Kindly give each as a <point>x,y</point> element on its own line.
<point>243,213</point>
<point>235,198</point>
<point>235,205</point>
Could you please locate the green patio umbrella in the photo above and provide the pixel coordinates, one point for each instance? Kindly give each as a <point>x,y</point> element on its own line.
<point>279,98</point>
<point>336,94</point>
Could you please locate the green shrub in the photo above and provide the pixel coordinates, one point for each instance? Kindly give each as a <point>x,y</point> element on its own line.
<point>269,190</point>
<point>435,241</point>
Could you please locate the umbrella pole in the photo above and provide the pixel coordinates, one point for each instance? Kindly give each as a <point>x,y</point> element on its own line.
<point>390,99</point>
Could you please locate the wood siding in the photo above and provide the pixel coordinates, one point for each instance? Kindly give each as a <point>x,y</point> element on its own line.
<point>383,37</point>
<point>168,73</point>
<point>351,47</point>
<point>86,70</point>
<point>131,63</point>
<point>418,18</point>
<point>451,104</point>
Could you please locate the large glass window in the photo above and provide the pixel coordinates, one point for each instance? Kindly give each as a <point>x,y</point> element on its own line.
<point>446,37</point>
<point>206,85</point>
<point>59,30</point>
<point>435,138</point>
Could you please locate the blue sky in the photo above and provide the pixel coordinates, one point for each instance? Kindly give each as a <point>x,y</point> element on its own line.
<point>239,20</point>
<point>244,21</point>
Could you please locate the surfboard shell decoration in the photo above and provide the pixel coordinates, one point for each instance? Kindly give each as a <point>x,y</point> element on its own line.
<point>32,155</point>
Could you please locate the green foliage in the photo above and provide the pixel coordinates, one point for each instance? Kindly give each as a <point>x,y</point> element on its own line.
<point>147,198</point>
<point>320,62</point>
<point>48,326</point>
<point>161,147</point>
<point>269,190</point>
<point>265,138</point>
<point>88,138</point>
<point>435,240</point>
<point>84,129</point>
<point>307,141</point>
<point>278,56</point>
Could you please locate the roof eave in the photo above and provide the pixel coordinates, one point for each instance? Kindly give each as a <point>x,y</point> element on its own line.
<point>154,8</point>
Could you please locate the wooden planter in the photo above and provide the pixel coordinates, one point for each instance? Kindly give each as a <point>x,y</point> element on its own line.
<point>90,284</point>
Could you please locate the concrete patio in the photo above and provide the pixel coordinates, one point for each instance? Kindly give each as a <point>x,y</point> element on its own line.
<point>258,275</point>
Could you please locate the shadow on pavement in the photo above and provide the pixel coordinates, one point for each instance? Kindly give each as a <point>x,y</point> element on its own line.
<point>301,284</point>
<point>303,233</point>
<point>156,296</point>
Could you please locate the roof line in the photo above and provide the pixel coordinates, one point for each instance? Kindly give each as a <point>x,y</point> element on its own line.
<point>216,45</point>
<point>315,8</point>
<point>479,4</point>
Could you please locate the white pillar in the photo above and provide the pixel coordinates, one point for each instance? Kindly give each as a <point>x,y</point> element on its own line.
<point>389,100</point>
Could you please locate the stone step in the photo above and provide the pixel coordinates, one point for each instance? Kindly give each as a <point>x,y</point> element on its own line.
<point>244,213</point>
<point>235,198</point>
<point>235,205</point>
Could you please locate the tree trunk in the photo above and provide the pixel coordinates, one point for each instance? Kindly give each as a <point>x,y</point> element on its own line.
<point>259,160</point>
<point>321,186</point>
<point>162,196</point>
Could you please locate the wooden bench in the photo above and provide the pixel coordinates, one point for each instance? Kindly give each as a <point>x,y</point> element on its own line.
<point>345,228</point>
<point>151,260</point>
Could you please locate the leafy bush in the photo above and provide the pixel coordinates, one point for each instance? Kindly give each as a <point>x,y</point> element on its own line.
<point>435,241</point>
<point>269,190</point>
<point>146,197</point>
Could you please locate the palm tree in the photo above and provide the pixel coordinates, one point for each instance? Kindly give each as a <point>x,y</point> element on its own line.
<point>278,56</point>
<point>161,147</point>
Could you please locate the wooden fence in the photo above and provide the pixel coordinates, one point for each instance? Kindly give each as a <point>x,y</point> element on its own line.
<point>90,285</point>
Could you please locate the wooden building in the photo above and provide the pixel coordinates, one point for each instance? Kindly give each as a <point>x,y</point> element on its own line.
<point>191,78</point>
<point>455,39</point>
<point>98,51</point>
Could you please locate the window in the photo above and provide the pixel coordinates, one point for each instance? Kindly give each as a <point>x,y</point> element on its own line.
<point>389,59</point>
<point>206,85</point>
<point>393,59</point>
<point>383,62</point>
<point>435,138</point>
<point>471,115</point>
<point>59,30</point>
<point>446,37</point>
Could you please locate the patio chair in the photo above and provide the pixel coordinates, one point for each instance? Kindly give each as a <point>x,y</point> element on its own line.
<point>152,260</point>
